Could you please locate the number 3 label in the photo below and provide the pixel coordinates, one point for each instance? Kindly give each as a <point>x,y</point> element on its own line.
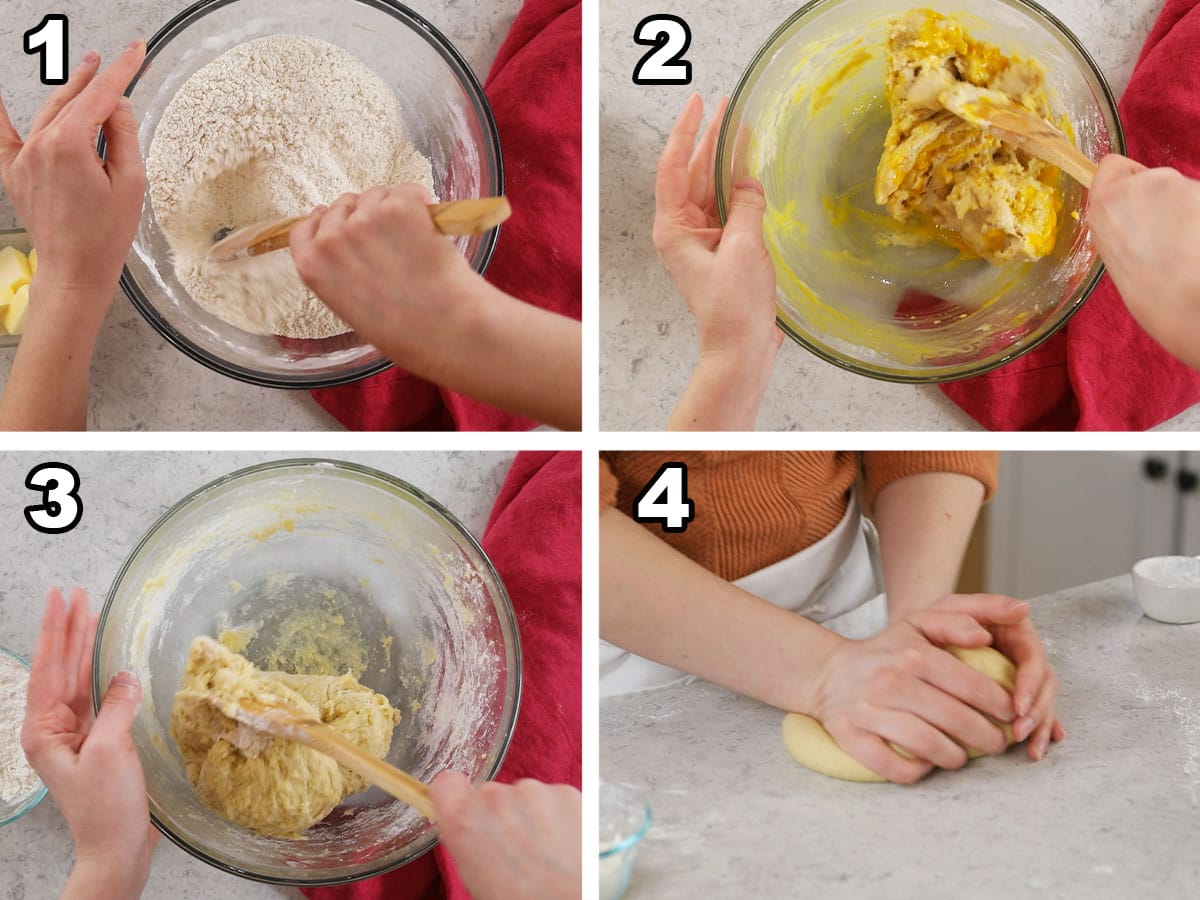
<point>665,501</point>
<point>670,37</point>
<point>61,508</point>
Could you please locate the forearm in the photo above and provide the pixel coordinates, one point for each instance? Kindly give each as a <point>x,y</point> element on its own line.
<point>47,387</point>
<point>502,351</point>
<point>924,523</point>
<point>723,394</point>
<point>659,604</point>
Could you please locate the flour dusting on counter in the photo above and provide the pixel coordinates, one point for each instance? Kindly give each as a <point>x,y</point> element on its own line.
<point>1187,716</point>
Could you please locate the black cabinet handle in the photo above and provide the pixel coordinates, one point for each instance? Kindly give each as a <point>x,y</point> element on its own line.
<point>1187,481</point>
<point>1154,468</point>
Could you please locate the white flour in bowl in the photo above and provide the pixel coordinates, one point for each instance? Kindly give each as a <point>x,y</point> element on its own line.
<point>17,778</point>
<point>271,128</point>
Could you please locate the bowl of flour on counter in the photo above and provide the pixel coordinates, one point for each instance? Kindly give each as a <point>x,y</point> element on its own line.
<point>257,109</point>
<point>20,788</point>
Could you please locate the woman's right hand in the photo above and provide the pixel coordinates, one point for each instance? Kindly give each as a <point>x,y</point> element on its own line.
<point>901,688</point>
<point>1146,225</point>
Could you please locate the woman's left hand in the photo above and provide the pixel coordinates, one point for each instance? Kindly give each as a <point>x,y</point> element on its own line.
<point>89,765</point>
<point>80,211</point>
<point>1036,686</point>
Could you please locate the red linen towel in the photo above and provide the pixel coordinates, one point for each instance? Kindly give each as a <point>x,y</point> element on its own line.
<point>534,538</point>
<point>536,96</point>
<point>1102,372</point>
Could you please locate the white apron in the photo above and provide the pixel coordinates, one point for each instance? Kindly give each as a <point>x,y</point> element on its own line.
<point>835,582</point>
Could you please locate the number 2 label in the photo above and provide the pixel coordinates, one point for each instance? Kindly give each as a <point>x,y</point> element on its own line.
<point>49,39</point>
<point>61,507</point>
<point>670,37</point>
<point>665,501</point>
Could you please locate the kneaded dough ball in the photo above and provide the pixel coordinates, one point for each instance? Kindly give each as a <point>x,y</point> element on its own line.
<point>814,747</point>
<point>268,784</point>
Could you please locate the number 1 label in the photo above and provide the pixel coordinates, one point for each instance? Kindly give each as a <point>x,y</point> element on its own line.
<point>49,39</point>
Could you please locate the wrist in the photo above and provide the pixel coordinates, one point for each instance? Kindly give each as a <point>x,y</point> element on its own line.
<point>803,691</point>
<point>474,321</point>
<point>96,877</point>
<point>724,393</point>
<point>749,363</point>
<point>73,309</point>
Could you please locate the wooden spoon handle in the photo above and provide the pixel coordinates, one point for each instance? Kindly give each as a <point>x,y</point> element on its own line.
<point>395,781</point>
<point>1045,142</point>
<point>274,236</point>
<point>468,217</point>
<point>455,217</point>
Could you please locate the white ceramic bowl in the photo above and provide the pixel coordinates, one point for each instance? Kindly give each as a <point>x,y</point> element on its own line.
<point>1167,588</point>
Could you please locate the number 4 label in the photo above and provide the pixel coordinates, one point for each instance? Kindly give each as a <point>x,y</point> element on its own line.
<point>670,37</point>
<point>61,508</point>
<point>665,501</point>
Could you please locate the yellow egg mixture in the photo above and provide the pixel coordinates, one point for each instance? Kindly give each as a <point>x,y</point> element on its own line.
<point>982,195</point>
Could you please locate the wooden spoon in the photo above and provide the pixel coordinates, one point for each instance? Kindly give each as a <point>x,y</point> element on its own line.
<point>285,721</point>
<point>995,113</point>
<point>457,217</point>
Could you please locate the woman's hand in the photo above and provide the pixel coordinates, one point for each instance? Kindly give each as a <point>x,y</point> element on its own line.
<point>511,841</point>
<point>377,260</point>
<point>1146,224</point>
<point>725,275</point>
<point>81,212</point>
<point>1036,686</point>
<point>89,766</point>
<point>901,688</point>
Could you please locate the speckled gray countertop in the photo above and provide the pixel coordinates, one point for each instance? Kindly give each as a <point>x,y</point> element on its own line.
<point>1114,811</point>
<point>139,381</point>
<point>123,495</point>
<point>647,337</point>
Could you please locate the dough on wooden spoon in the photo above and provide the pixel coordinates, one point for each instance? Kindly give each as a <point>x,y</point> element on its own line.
<point>814,747</point>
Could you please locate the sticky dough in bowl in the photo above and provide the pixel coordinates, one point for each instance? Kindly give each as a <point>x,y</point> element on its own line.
<point>808,119</point>
<point>256,548</point>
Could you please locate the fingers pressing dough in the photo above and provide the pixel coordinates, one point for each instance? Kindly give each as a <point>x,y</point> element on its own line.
<point>814,747</point>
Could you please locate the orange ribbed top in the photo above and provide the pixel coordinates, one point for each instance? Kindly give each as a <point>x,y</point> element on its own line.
<point>756,508</point>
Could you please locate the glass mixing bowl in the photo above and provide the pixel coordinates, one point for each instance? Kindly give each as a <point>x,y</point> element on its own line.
<point>445,115</point>
<point>808,119</point>
<point>297,547</point>
<point>13,809</point>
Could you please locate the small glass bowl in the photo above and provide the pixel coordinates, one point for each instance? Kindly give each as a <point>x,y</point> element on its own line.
<point>808,119</point>
<point>447,118</point>
<point>624,821</point>
<point>11,811</point>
